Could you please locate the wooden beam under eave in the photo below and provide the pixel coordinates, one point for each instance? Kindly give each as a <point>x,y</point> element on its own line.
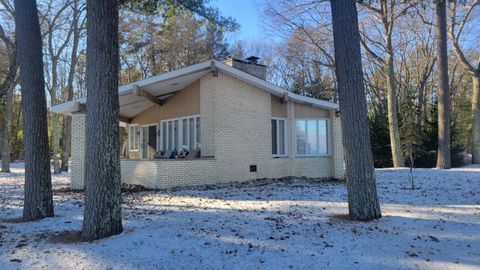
<point>213,68</point>
<point>79,107</point>
<point>125,119</point>
<point>285,98</point>
<point>142,93</point>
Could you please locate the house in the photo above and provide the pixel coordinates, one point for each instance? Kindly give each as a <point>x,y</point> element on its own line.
<point>245,127</point>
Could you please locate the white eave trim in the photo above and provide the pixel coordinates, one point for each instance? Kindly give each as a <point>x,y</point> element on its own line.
<point>166,76</point>
<point>273,89</point>
<point>206,66</point>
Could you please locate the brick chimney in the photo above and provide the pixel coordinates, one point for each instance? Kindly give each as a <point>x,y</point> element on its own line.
<point>250,65</point>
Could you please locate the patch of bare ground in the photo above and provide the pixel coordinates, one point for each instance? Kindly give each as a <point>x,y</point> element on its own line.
<point>66,237</point>
<point>14,220</point>
<point>345,217</point>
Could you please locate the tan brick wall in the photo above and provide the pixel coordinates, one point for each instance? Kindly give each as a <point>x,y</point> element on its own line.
<point>337,145</point>
<point>168,173</point>
<point>78,150</point>
<point>236,132</point>
<point>242,128</point>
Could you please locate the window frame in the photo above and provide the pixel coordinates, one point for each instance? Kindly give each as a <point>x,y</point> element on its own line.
<point>328,137</point>
<point>285,130</point>
<point>130,133</point>
<point>180,131</point>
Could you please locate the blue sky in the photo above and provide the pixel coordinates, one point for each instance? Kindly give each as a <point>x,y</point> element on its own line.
<point>246,12</point>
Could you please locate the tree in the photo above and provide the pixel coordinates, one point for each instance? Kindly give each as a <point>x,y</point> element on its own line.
<point>457,25</point>
<point>387,12</point>
<point>77,27</point>
<point>443,153</point>
<point>103,214</point>
<point>7,87</point>
<point>38,185</point>
<point>361,185</point>
<point>308,47</point>
<point>56,43</point>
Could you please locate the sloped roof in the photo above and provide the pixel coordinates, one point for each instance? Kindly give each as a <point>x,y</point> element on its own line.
<point>166,84</point>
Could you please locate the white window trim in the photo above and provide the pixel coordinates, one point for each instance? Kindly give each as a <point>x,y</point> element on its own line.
<point>180,130</point>
<point>285,127</point>
<point>328,154</point>
<point>130,149</point>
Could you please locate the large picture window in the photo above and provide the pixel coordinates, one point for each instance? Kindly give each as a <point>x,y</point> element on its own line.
<point>279,136</point>
<point>311,137</point>
<point>133,137</point>
<point>175,133</point>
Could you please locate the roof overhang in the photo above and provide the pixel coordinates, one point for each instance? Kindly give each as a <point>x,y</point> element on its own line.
<point>165,85</point>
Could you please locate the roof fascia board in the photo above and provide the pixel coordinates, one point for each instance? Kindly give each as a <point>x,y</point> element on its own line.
<point>273,89</point>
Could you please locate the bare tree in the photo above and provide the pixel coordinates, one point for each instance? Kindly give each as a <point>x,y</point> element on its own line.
<point>77,26</point>
<point>361,185</point>
<point>458,21</point>
<point>387,12</point>
<point>7,87</point>
<point>103,215</point>
<point>443,153</point>
<point>56,20</point>
<point>38,185</point>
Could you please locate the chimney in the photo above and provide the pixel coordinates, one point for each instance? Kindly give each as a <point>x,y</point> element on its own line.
<point>250,65</point>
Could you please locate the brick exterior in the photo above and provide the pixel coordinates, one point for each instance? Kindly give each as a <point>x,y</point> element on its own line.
<point>235,133</point>
<point>338,162</point>
<point>255,69</point>
<point>78,149</point>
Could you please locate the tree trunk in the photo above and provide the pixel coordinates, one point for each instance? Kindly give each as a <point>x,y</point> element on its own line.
<point>8,87</point>
<point>38,185</point>
<point>397,156</point>
<point>55,142</point>
<point>7,130</point>
<point>67,120</point>
<point>476,119</point>
<point>55,118</point>
<point>103,215</point>
<point>66,142</point>
<point>362,191</point>
<point>443,153</point>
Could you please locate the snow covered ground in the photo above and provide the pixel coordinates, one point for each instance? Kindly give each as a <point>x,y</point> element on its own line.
<point>281,225</point>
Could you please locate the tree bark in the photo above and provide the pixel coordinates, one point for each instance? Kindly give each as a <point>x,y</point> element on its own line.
<point>38,185</point>
<point>362,192</point>
<point>392,107</point>
<point>55,142</point>
<point>102,216</point>
<point>397,156</point>
<point>6,136</point>
<point>476,119</point>
<point>443,153</point>
<point>66,142</point>
<point>7,87</point>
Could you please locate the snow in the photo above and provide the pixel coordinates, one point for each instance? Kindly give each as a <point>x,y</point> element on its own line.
<point>293,224</point>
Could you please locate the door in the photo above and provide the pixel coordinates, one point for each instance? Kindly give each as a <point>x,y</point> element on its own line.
<point>149,141</point>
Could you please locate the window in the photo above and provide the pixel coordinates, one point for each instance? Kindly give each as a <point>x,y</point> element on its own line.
<point>311,137</point>
<point>133,137</point>
<point>279,136</point>
<point>175,133</point>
